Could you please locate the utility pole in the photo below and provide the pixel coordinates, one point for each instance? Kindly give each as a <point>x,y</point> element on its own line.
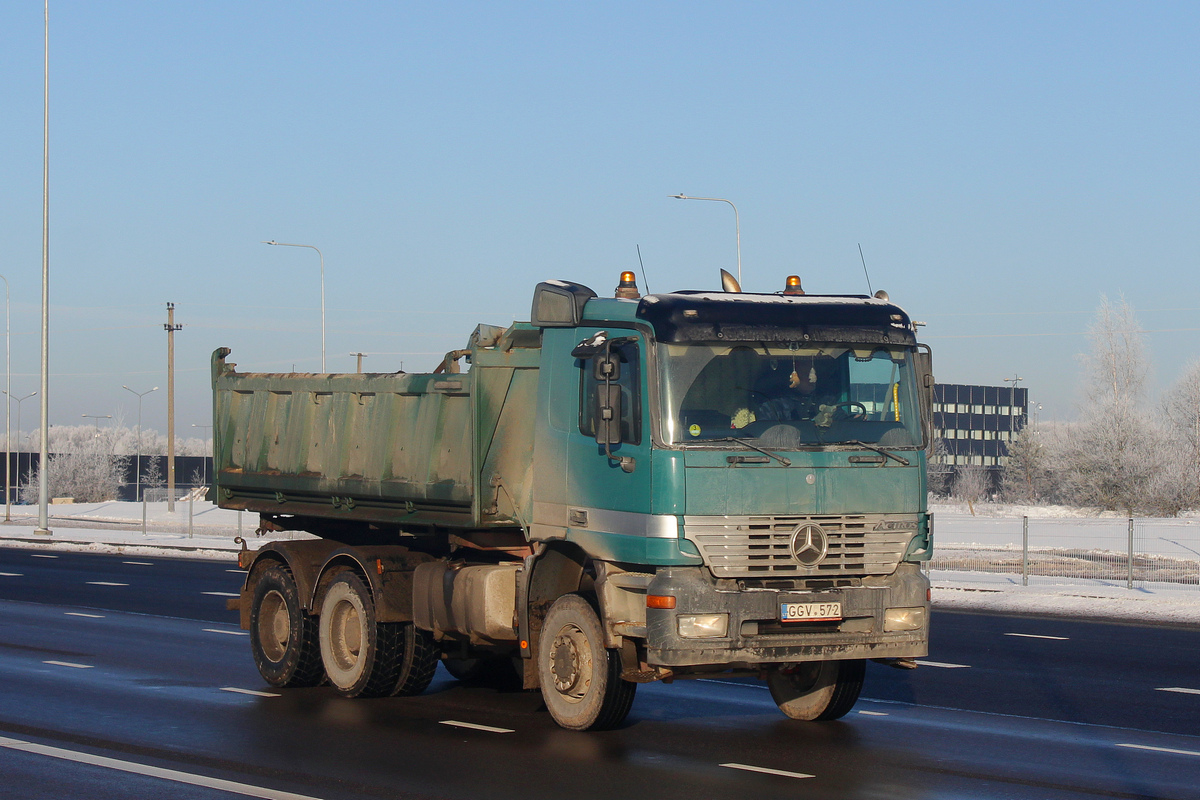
<point>360,358</point>
<point>170,328</point>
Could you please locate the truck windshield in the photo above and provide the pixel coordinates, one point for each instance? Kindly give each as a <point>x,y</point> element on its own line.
<point>780,396</point>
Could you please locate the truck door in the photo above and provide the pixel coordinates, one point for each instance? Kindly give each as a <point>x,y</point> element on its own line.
<point>608,488</point>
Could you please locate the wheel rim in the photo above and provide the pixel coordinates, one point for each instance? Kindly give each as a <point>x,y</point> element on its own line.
<point>803,677</point>
<point>345,635</point>
<point>571,664</point>
<point>274,626</point>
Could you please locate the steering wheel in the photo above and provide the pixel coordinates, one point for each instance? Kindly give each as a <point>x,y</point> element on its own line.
<point>851,409</point>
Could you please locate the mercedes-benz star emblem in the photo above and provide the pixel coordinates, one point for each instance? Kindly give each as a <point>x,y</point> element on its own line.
<point>810,544</point>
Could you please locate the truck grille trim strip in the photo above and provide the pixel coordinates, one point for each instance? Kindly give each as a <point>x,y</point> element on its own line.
<point>747,547</point>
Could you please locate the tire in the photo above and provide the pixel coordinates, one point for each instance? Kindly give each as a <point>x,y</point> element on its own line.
<point>283,638</point>
<point>817,690</point>
<point>418,660</point>
<point>581,680</point>
<point>362,658</point>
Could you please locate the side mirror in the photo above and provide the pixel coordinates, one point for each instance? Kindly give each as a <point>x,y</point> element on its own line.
<point>608,414</point>
<point>923,360</point>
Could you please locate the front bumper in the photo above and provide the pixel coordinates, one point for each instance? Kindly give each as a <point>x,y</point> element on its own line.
<point>756,636</point>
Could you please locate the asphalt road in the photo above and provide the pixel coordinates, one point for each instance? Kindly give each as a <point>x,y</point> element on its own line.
<point>126,677</point>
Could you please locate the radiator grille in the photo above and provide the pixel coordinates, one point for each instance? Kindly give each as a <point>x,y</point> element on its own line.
<point>746,547</point>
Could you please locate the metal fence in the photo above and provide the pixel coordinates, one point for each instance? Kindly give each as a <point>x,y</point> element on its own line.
<point>1131,551</point>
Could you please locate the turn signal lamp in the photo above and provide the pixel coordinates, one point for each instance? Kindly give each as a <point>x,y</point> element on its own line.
<point>659,601</point>
<point>792,285</point>
<point>627,288</point>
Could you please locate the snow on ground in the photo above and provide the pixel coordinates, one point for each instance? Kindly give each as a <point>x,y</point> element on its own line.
<point>117,528</point>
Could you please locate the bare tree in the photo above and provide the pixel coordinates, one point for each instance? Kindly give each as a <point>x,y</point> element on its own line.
<point>84,467</point>
<point>1027,477</point>
<point>1107,459</point>
<point>972,483</point>
<point>1181,417</point>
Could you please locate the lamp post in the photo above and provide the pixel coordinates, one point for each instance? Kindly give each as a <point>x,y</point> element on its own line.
<point>322,257</point>
<point>19,401</point>
<point>7,409</point>
<point>43,526</point>
<point>137,487</point>
<point>736,223</point>
<point>206,429</point>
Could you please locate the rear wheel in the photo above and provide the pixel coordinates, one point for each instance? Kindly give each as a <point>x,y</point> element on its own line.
<point>581,680</point>
<point>362,657</point>
<point>283,638</point>
<point>418,660</point>
<point>817,690</point>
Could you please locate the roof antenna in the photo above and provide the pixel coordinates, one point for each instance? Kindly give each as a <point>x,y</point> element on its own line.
<point>645,282</point>
<point>860,255</point>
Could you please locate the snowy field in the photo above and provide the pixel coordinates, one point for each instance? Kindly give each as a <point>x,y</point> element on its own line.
<point>976,565</point>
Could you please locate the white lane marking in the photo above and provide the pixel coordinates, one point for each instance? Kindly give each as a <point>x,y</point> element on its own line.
<point>875,713</point>
<point>1179,689</point>
<point>488,728</point>
<point>10,575</point>
<point>68,664</point>
<point>42,555</point>
<point>236,690</point>
<point>222,594</point>
<point>1039,636</point>
<point>105,583</point>
<point>1162,749</point>
<point>81,614</point>
<point>230,633</point>
<point>139,563</point>
<point>768,771</point>
<point>153,772</point>
<point>943,665</point>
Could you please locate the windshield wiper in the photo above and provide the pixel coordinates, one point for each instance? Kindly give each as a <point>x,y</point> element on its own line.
<point>786,462</point>
<point>880,450</point>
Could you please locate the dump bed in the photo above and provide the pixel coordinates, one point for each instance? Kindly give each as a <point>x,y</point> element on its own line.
<point>447,448</point>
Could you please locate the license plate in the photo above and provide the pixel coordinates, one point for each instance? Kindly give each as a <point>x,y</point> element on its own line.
<point>801,612</point>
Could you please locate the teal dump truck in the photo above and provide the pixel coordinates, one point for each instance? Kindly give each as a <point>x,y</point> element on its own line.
<point>621,490</point>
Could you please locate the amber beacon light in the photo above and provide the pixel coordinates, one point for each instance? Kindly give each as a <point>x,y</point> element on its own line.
<point>627,288</point>
<point>792,285</point>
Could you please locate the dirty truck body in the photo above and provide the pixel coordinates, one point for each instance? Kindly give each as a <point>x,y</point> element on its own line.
<point>611,494</point>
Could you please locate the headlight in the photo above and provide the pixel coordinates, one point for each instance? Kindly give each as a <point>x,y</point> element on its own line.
<point>903,619</point>
<point>703,626</point>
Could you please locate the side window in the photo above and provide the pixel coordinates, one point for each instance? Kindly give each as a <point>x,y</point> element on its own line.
<point>629,381</point>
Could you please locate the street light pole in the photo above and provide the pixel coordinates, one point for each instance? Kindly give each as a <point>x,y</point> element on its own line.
<point>205,428</point>
<point>322,257</point>
<point>43,527</point>
<point>7,408</point>
<point>137,486</point>
<point>19,401</point>
<point>736,223</point>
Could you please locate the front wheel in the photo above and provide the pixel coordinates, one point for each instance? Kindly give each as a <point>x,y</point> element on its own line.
<point>817,690</point>
<point>580,678</point>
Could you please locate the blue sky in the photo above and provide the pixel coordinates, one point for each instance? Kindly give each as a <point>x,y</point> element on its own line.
<point>1003,165</point>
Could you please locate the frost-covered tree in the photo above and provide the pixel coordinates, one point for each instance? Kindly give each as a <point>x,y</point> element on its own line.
<point>1027,477</point>
<point>1181,418</point>
<point>972,483</point>
<point>1108,458</point>
<point>83,466</point>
